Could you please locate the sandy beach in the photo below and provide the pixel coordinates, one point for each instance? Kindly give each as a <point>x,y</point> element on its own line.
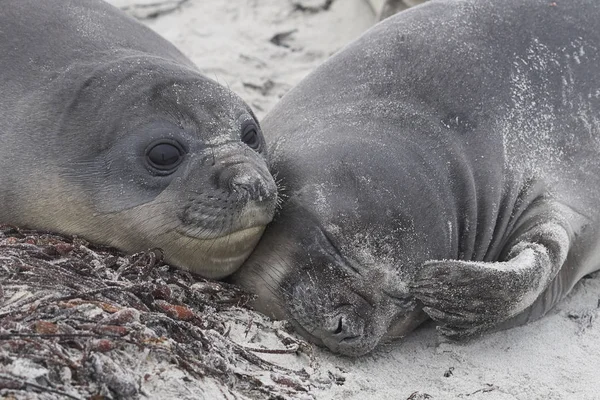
<point>262,48</point>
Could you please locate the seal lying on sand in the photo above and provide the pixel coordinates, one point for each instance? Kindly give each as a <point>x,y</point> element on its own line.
<point>445,164</point>
<point>109,132</point>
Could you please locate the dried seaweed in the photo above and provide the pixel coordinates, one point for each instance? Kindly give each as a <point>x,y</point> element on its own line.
<point>80,321</point>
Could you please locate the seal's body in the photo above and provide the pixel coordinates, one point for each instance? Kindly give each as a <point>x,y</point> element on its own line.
<point>108,132</point>
<point>445,164</point>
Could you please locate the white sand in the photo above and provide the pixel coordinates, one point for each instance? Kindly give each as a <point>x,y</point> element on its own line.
<point>557,357</point>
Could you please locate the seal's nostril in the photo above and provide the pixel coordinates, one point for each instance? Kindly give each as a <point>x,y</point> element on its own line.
<point>239,181</point>
<point>344,332</point>
<point>247,187</point>
<point>339,327</point>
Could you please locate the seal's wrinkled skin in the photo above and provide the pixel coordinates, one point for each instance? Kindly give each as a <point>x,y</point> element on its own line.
<point>445,165</point>
<point>109,132</point>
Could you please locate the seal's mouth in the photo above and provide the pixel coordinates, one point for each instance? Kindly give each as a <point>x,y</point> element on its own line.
<point>224,221</point>
<point>303,331</point>
<point>231,238</point>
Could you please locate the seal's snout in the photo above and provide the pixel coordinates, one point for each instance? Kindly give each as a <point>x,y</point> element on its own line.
<point>247,182</point>
<point>241,195</point>
<point>251,186</point>
<point>338,320</point>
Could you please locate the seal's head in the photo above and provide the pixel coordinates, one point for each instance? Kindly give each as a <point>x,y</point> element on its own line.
<point>338,257</point>
<point>334,293</point>
<point>146,153</point>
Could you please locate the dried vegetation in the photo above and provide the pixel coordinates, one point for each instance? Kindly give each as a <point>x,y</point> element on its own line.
<point>79,321</point>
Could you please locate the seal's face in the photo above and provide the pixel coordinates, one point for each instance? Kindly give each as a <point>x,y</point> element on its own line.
<point>335,265</point>
<point>178,163</point>
<point>335,286</point>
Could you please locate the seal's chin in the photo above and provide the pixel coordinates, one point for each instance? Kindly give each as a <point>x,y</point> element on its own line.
<point>213,258</point>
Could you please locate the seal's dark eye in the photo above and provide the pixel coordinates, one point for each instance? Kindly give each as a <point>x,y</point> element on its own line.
<point>164,156</point>
<point>250,135</point>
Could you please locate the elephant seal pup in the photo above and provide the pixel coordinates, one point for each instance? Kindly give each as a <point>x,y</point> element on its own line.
<point>445,165</point>
<point>110,133</point>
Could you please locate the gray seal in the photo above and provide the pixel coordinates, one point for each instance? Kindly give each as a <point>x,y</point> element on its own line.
<point>447,165</point>
<point>108,132</point>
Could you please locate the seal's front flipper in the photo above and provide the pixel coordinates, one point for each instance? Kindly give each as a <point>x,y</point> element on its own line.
<point>469,297</point>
